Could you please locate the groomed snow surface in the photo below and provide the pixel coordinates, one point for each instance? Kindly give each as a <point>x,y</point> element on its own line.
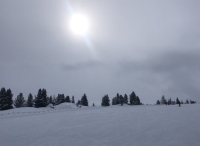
<point>66,125</point>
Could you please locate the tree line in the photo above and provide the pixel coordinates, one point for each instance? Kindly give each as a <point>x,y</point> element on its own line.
<point>119,99</point>
<point>40,100</point>
<point>171,102</point>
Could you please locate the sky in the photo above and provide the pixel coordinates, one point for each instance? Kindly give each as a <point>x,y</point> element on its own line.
<point>149,47</point>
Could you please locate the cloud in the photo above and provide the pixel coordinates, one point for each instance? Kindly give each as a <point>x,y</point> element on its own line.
<point>81,65</point>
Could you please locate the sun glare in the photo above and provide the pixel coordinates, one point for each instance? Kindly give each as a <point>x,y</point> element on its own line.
<point>79,24</point>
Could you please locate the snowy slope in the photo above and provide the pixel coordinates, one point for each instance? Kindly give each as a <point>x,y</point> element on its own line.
<point>110,126</point>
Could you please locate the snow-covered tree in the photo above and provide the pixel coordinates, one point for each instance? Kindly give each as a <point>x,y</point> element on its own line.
<point>67,99</point>
<point>163,100</point>
<point>6,99</point>
<point>117,99</point>
<point>84,100</point>
<point>158,102</point>
<point>187,101</point>
<point>78,103</point>
<point>50,100</point>
<point>73,99</point>
<point>121,100</point>
<point>30,100</point>
<point>133,98</point>
<point>105,101</point>
<point>19,101</point>
<point>125,99</point>
<point>137,100</point>
<point>114,101</point>
<point>60,99</point>
<point>41,98</point>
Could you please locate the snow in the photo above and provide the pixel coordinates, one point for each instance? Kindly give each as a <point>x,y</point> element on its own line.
<point>145,125</point>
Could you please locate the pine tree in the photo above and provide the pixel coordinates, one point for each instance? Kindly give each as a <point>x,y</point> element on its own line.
<point>50,100</point>
<point>114,100</point>
<point>78,103</point>
<point>67,99</point>
<point>19,101</point>
<point>163,100</point>
<point>181,102</point>
<point>169,101</point>
<point>117,99</point>
<point>133,98</point>
<point>178,101</point>
<point>105,101</point>
<point>121,100</point>
<point>41,98</point>
<point>9,99</point>
<point>84,100</point>
<point>6,99</point>
<point>125,99</point>
<point>30,100</point>
<point>187,101</point>
<point>60,99</point>
<point>138,101</point>
<point>158,102</point>
<point>73,99</point>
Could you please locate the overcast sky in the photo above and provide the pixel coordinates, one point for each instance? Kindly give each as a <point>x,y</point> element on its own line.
<point>151,47</point>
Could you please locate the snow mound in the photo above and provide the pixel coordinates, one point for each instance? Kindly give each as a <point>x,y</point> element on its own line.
<point>66,105</point>
<point>50,105</point>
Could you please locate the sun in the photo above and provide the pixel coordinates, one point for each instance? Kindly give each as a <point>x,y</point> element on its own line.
<point>79,24</point>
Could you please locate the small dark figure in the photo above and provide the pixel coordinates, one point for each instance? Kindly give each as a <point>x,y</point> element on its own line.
<point>93,105</point>
<point>178,101</point>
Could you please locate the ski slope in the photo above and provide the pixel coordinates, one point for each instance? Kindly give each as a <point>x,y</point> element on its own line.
<point>152,125</point>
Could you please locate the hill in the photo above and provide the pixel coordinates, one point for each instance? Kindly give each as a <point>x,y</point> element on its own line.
<point>153,125</point>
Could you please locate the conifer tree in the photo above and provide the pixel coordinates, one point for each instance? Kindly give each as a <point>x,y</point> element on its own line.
<point>30,100</point>
<point>181,102</point>
<point>125,99</point>
<point>105,101</point>
<point>50,100</point>
<point>9,99</point>
<point>121,100</point>
<point>84,100</point>
<point>41,98</point>
<point>78,103</point>
<point>187,101</point>
<point>178,101</point>
<point>114,101</point>
<point>19,101</point>
<point>60,99</point>
<point>6,99</point>
<point>158,102</point>
<point>138,101</point>
<point>73,99</point>
<point>133,98</point>
<point>67,99</point>
<point>163,100</point>
<point>54,100</point>
<point>169,101</point>
<point>117,99</point>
